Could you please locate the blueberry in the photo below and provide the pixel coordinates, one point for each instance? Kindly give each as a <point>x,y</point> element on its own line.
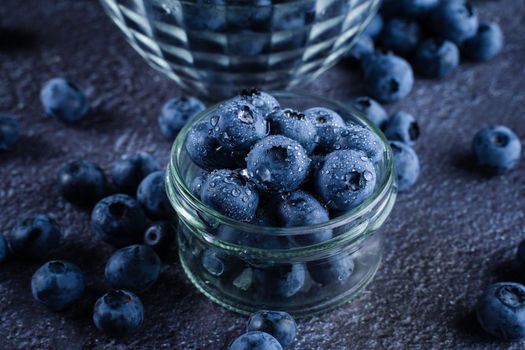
<point>204,149</point>
<point>160,236</point>
<point>131,169</point>
<point>230,194</point>
<point>401,35</point>
<point>334,270</point>
<point>278,324</point>
<point>118,313</point>
<point>346,179</point>
<point>118,220</point>
<point>57,284</point>
<point>152,195</point>
<point>362,47</point>
<point>82,182</point>
<point>496,148</point>
<point>418,8</point>
<point>280,281</point>
<point>302,209</point>
<point>402,127</point>
<point>35,237</point>
<point>218,263</point>
<point>3,248</point>
<point>326,122</point>
<point>486,44</point>
<point>238,125</point>
<point>436,58</point>
<point>388,77</point>
<point>245,43</point>
<point>371,109</point>
<point>255,341</point>
<point>254,18</point>
<point>521,253</point>
<point>134,268</point>
<point>196,184</point>
<point>374,27</point>
<point>262,101</point>
<point>176,112</point>
<point>278,163</point>
<point>360,138</point>
<point>204,15</point>
<point>294,125</point>
<point>501,310</point>
<point>63,100</point>
<point>9,132</point>
<point>407,165</point>
<point>455,20</point>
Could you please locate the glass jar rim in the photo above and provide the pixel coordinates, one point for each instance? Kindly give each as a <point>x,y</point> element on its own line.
<point>380,192</point>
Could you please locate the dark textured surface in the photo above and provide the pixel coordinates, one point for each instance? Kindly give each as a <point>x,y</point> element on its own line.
<point>454,233</point>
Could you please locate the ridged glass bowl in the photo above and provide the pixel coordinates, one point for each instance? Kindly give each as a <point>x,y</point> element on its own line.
<point>214,48</point>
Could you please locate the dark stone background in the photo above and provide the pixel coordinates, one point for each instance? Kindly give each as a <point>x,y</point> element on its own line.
<point>453,234</point>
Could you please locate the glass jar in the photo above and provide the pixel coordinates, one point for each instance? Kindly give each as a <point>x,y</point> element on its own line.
<point>244,267</point>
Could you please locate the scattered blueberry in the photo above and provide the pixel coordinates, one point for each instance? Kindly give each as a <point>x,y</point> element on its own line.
<point>294,125</point>
<point>278,324</point>
<point>262,101</point>
<point>374,27</point>
<point>326,122</point>
<point>9,132</point>
<point>131,169</point>
<point>57,284</point>
<point>63,100</point>
<point>255,341</point>
<point>501,310</point>
<point>230,193</point>
<point>486,44</point>
<point>82,182</point>
<point>196,184</point>
<point>455,20</point>
<point>388,77</point>
<point>134,268</point>
<point>221,264</point>
<point>401,35</point>
<point>278,163</point>
<point>402,127</point>
<point>335,270</point>
<point>3,248</point>
<point>496,148</point>
<point>152,195</point>
<point>362,47</point>
<point>418,8</point>
<point>280,281</point>
<point>160,236</point>
<point>300,208</point>
<point>407,165</point>
<point>35,237</point>
<point>371,109</point>
<point>118,313</point>
<point>176,112</point>
<point>521,253</point>
<point>346,179</point>
<point>118,220</point>
<point>436,58</point>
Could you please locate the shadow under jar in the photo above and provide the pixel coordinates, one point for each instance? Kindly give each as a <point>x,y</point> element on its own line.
<point>243,267</point>
<point>216,47</point>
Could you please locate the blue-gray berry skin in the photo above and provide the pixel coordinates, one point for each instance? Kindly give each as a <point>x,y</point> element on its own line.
<point>63,100</point>
<point>407,165</point>
<point>262,101</point>
<point>133,268</point>
<point>486,44</point>
<point>346,179</point>
<point>300,208</point>
<point>281,281</point>
<point>436,58</point>
<point>255,341</point>
<point>374,27</point>
<point>455,20</point>
<point>333,271</point>
<point>82,182</point>
<point>362,47</point>
<point>228,192</point>
<point>3,248</point>
<point>35,237</point>
<point>496,148</point>
<point>160,236</point>
<point>220,264</point>
<point>501,310</point>
<point>294,125</point>
<point>151,194</point>
<point>176,112</point>
<point>196,183</point>
<point>278,324</point>
<point>417,8</point>
<point>277,164</point>
<point>57,284</point>
<point>402,127</point>
<point>372,109</point>
<point>131,169</point>
<point>359,138</point>
<point>9,132</point>
<point>118,220</point>
<point>521,253</point>
<point>118,313</point>
<point>326,122</point>
<point>401,35</point>
<point>388,78</point>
